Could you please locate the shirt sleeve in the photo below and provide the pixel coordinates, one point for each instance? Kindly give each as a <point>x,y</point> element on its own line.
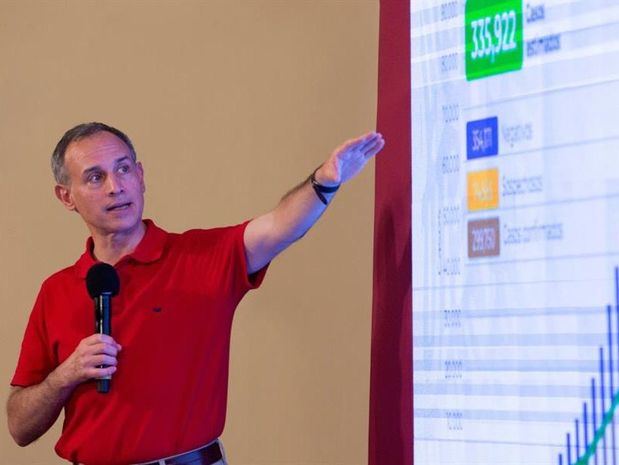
<point>237,266</point>
<point>220,256</point>
<point>249,281</point>
<point>35,358</point>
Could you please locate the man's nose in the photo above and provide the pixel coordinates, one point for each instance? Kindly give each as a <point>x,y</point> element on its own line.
<point>114,184</point>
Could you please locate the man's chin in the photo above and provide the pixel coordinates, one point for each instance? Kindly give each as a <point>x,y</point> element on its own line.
<point>119,225</point>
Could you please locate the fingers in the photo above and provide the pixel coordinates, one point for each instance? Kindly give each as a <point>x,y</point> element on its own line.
<point>354,143</point>
<point>101,348</point>
<point>100,338</point>
<point>104,360</point>
<point>99,364</point>
<point>94,357</point>
<point>362,141</point>
<point>100,372</point>
<point>375,148</point>
<point>99,344</point>
<point>372,143</point>
<point>368,143</point>
<point>97,355</point>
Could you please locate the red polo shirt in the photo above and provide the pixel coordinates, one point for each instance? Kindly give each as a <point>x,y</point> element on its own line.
<point>173,318</point>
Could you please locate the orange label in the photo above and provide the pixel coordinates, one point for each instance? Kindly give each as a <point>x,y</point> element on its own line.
<point>483,189</point>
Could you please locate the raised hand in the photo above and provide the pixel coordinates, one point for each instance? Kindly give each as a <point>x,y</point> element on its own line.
<point>348,159</point>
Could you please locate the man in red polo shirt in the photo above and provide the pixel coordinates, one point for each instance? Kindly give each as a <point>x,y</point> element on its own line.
<point>172,318</point>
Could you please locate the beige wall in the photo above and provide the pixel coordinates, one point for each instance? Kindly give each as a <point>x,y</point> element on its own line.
<point>229,103</point>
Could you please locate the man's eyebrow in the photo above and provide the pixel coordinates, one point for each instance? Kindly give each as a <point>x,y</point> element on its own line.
<point>98,168</point>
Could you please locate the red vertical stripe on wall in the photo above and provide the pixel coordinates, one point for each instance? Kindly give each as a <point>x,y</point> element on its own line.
<point>391,414</point>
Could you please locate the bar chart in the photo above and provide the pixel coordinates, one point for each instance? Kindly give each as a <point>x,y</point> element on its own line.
<point>594,433</point>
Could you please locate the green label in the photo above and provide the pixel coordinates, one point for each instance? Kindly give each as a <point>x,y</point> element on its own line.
<point>493,37</point>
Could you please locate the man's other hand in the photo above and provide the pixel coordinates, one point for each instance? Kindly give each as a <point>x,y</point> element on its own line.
<point>86,360</point>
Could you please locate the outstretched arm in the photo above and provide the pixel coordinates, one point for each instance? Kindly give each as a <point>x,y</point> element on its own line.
<point>268,235</point>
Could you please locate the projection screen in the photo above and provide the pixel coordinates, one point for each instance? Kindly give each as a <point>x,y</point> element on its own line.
<point>515,231</point>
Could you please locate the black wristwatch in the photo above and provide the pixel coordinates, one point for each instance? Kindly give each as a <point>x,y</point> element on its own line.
<point>320,189</point>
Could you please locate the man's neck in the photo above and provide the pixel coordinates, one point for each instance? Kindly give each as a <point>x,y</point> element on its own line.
<point>111,247</point>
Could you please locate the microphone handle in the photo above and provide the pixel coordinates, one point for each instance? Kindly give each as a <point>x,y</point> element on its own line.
<point>103,325</point>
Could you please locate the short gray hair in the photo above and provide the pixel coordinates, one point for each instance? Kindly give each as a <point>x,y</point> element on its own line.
<point>76,133</point>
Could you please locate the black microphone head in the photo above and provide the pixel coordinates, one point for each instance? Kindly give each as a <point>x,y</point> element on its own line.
<point>102,278</point>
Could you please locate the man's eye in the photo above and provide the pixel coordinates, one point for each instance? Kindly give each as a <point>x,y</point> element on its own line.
<point>124,168</point>
<point>95,177</point>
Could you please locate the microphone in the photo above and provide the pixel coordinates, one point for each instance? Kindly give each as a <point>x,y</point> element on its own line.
<point>103,283</point>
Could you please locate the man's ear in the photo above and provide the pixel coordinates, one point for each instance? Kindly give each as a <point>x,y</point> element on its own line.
<point>64,195</point>
<point>141,171</point>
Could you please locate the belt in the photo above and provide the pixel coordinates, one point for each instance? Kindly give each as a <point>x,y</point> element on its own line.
<point>206,455</point>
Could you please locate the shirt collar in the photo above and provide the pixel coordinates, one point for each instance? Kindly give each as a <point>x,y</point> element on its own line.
<point>149,249</point>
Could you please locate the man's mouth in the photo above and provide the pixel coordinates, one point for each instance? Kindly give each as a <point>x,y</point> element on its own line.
<point>118,206</point>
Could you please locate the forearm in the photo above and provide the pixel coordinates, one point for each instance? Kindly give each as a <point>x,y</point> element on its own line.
<point>31,411</point>
<point>299,210</point>
<point>271,233</point>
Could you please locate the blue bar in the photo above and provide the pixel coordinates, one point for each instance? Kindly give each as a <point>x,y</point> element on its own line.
<point>617,339</point>
<point>603,402</point>
<point>617,286</point>
<point>569,450</point>
<point>594,420</point>
<point>617,304</point>
<point>577,435</point>
<point>611,375</point>
<point>482,138</point>
<point>611,371</point>
<point>584,424</point>
<point>560,459</point>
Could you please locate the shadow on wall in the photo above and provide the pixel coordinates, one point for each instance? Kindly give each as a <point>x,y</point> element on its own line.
<point>391,372</point>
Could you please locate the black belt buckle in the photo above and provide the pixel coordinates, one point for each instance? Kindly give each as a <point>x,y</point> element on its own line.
<point>206,455</point>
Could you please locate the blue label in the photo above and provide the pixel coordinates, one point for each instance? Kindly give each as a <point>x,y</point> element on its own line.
<point>482,138</point>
